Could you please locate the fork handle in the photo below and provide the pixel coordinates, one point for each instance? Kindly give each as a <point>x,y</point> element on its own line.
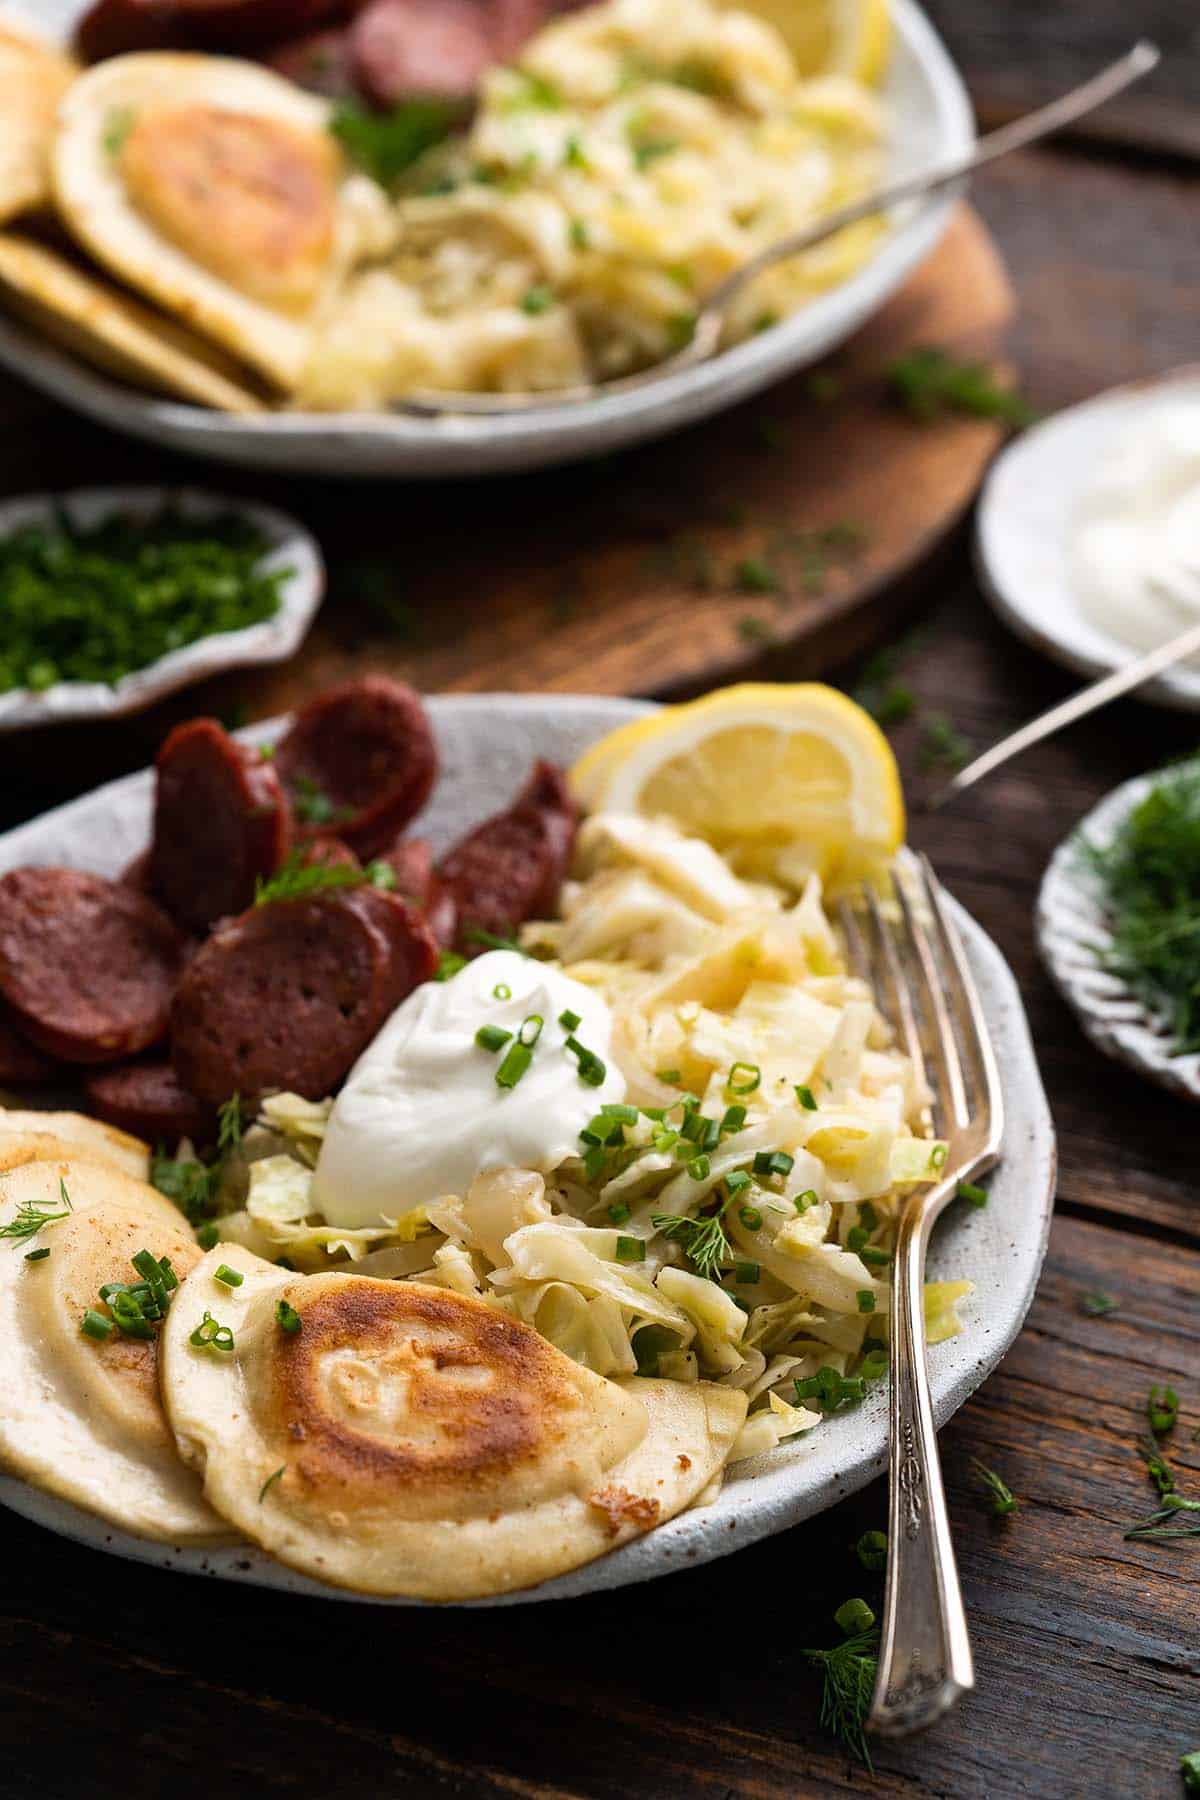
<point>925,1653</point>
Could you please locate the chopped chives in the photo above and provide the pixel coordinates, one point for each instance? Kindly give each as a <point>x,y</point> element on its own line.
<point>207,1236</point>
<point>856,1237</point>
<point>531,1030</point>
<point>37,1255</point>
<point>974,1196</point>
<point>871,1550</point>
<point>618,1212</point>
<point>95,1325</point>
<point>666,1140</point>
<point>747,1273</point>
<point>866,1300</point>
<point>591,1068</point>
<point>516,1063</point>
<point>628,1115</point>
<point>593,1162</point>
<point>805,1096</point>
<point>803,1201</point>
<point>492,1037</point>
<point>937,1156</point>
<point>670,1077</point>
<point>854,1616</point>
<point>570,1021</point>
<point>873,1365</point>
<point>631,1249</point>
<point>751,1076</point>
<point>286,1316</point>
<point>735,1118</point>
<point>230,1278</point>
<point>737,1182</point>
<point>773,1162</point>
<point>699,1168</point>
<point>877,1259</point>
<point>502,991</point>
<point>867,1215</point>
<point>751,1218</point>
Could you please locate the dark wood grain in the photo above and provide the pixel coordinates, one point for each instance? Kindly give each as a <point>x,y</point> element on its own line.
<point>123,1679</point>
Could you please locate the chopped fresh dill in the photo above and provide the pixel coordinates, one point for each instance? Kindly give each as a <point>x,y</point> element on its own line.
<point>29,1217</point>
<point>1097,1303</point>
<point>1149,875</point>
<point>999,1496</point>
<point>1162,1409</point>
<point>1167,1521</point>
<point>386,144</point>
<point>848,1673</point>
<point>295,879</point>
<point>229,1125</point>
<point>1157,1468</point>
<point>312,805</point>
<point>929,382</point>
<point>703,1241</point>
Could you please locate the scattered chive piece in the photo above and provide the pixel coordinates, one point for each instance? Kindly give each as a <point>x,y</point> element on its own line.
<point>751,1218</point>
<point>830,1390</point>
<point>210,1334</point>
<point>873,1365</point>
<point>773,1162</point>
<point>95,1325</point>
<point>207,1236</point>
<point>286,1316</point>
<point>516,1064</point>
<point>618,1212</point>
<point>631,1249</point>
<point>856,1238</point>
<point>570,1021</point>
<point>805,1096</point>
<point>747,1273</point>
<point>502,991</point>
<point>974,1196</point>
<point>449,963</point>
<point>876,1259</point>
<point>671,1077</point>
<point>1162,1409</point>
<point>537,299</point>
<point>871,1550</point>
<point>803,1201</point>
<point>937,1156</point>
<point>38,1255</point>
<point>531,1030</point>
<point>699,1168</point>
<point>853,1616</point>
<point>492,1037</point>
<point>735,1118</point>
<point>754,576</point>
<point>1000,1497</point>
<point>593,1162</point>
<point>626,1115</point>
<point>927,382</point>
<point>1189,1769</point>
<point>1097,1303</point>
<point>736,1182</point>
<point>591,1069</point>
<point>866,1300</point>
<point>270,1482</point>
<point>750,1078</point>
<point>230,1278</point>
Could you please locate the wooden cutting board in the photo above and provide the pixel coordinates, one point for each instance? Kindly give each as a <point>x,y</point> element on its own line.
<point>675,565</point>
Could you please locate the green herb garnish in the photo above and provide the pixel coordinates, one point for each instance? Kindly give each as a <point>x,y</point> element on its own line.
<point>538,299</point>
<point>942,744</point>
<point>1097,1304</point>
<point>97,603</point>
<point>270,1482</point>
<point>702,1240</point>
<point>1000,1498</point>
<point>1165,1523</point>
<point>210,1334</point>
<point>295,879</point>
<point>1189,1769</point>
<point>30,1218</point>
<point>754,576</point>
<point>312,805</point>
<point>929,382</point>
<point>449,963</point>
<point>386,144</point>
<point>1162,1409</point>
<point>286,1317</point>
<point>871,1550</point>
<point>848,1674</point>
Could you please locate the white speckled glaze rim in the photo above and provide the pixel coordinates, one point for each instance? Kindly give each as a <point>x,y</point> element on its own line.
<point>289,546</point>
<point>932,121</point>
<point>1022,537</point>
<point>486,743</point>
<point>1072,935</point>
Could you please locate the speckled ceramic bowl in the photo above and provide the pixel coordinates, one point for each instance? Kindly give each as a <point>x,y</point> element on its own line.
<point>486,744</point>
<point>1073,934</point>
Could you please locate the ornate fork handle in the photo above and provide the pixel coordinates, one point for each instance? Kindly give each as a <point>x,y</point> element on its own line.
<point>925,1655</point>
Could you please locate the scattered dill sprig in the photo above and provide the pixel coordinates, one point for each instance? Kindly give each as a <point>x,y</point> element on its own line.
<point>386,144</point>
<point>703,1240</point>
<point>1163,1523</point>
<point>929,382</point>
<point>1157,1468</point>
<point>848,1673</point>
<point>29,1217</point>
<point>1097,1303</point>
<point>999,1496</point>
<point>191,1185</point>
<point>1150,880</point>
<point>312,805</point>
<point>295,879</point>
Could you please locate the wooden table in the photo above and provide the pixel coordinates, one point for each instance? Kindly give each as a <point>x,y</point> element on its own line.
<point>118,1678</point>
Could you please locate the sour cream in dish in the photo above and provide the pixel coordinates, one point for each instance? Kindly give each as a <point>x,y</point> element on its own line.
<point>422,1113</point>
<point>1135,547</point>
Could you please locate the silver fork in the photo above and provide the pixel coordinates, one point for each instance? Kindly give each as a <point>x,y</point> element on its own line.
<point>909,950</point>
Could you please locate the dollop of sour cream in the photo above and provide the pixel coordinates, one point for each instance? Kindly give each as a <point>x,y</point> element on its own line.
<point>422,1114</point>
<point>1135,545</point>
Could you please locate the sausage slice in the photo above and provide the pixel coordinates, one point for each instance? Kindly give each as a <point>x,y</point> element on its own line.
<point>511,867</point>
<point>417,880</point>
<point>21,1065</point>
<point>290,993</point>
<point>359,762</point>
<point>220,821</point>
<point>147,1100</point>
<point>88,967</point>
<point>420,49</point>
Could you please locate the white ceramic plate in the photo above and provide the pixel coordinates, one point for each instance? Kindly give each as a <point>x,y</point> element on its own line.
<point>487,743</point>
<point>289,546</point>
<point>931,120</point>
<point>1022,537</point>
<point>1072,935</point>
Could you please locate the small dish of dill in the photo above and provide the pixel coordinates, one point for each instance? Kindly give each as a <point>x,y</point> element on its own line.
<point>1119,924</point>
<point>113,597</point>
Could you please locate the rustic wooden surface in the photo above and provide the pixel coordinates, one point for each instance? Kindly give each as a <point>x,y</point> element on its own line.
<point>118,1678</point>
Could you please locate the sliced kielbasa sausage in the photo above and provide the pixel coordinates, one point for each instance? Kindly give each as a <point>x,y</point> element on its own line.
<point>115,27</point>
<point>511,867</point>
<point>88,967</point>
<point>21,1064</point>
<point>147,1100</point>
<point>420,49</point>
<point>287,995</point>
<point>359,762</point>
<point>418,881</point>
<point>221,821</point>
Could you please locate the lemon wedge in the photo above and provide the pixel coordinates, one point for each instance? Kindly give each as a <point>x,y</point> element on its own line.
<point>831,37</point>
<point>783,779</point>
